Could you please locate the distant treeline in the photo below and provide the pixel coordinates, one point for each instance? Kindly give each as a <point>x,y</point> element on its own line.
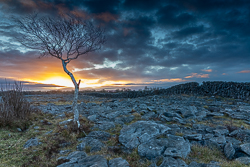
<point>234,90</point>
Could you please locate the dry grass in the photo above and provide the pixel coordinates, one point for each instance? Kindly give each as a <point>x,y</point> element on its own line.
<point>15,110</point>
<point>11,142</point>
<point>203,154</point>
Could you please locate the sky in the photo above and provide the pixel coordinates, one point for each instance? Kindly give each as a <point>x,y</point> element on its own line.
<point>153,43</point>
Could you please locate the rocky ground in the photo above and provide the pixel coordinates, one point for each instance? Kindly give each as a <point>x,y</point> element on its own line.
<point>155,131</point>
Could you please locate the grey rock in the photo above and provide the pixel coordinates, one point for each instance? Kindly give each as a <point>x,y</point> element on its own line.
<point>65,122</point>
<point>171,114</point>
<point>62,145</point>
<point>124,119</point>
<point>245,148</point>
<point>32,142</point>
<point>153,148</point>
<point>94,144</point>
<point>112,115</point>
<point>61,116</point>
<point>62,152</point>
<point>104,125</point>
<point>48,132</point>
<point>233,141</point>
<point>118,162</point>
<point>221,140</point>
<point>229,151</point>
<point>73,158</point>
<point>208,136</point>
<point>139,132</point>
<point>219,132</point>
<point>171,162</point>
<point>149,115</point>
<point>244,160</point>
<point>92,117</point>
<point>93,161</point>
<point>100,135</point>
<point>81,146</point>
<point>195,164</point>
<point>190,113</point>
<point>193,137</point>
<point>19,129</point>
<point>177,147</point>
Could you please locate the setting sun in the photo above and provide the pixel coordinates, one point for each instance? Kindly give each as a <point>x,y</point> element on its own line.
<point>61,81</point>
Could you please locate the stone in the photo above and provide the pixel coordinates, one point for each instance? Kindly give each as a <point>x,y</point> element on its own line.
<point>195,164</point>
<point>104,125</point>
<point>100,135</point>
<point>32,142</point>
<point>80,160</point>
<point>94,160</point>
<point>94,144</point>
<point>193,137</point>
<point>61,116</point>
<point>62,152</point>
<point>229,151</point>
<point>118,162</point>
<point>190,113</point>
<point>19,129</point>
<point>81,146</point>
<point>177,147</point>
<point>221,140</point>
<point>92,118</point>
<point>245,148</point>
<point>66,122</point>
<point>139,132</point>
<point>153,148</point>
<point>244,160</point>
<point>171,162</point>
<point>124,119</point>
<point>219,132</point>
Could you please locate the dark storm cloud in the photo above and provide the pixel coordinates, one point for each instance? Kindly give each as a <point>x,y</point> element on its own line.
<point>148,40</point>
<point>171,15</point>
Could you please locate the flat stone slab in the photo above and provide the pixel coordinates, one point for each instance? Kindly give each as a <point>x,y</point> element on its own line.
<point>171,162</point>
<point>177,147</point>
<point>246,148</point>
<point>152,148</point>
<point>140,132</point>
<point>118,162</point>
<point>94,160</point>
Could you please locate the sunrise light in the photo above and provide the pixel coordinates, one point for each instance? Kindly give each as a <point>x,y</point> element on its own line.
<point>61,81</point>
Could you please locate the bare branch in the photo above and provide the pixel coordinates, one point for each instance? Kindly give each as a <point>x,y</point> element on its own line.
<point>65,38</point>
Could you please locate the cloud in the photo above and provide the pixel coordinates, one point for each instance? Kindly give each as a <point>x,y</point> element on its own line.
<point>207,70</point>
<point>195,75</point>
<point>150,42</point>
<point>244,71</point>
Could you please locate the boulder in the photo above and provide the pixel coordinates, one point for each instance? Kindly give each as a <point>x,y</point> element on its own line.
<point>100,135</point>
<point>244,160</point>
<point>229,151</point>
<point>104,125</point>
<point>118,162</point>
<point>31,142</point>
<point>245,148</point>
<point>153,148</point>
<point>177,147</point>
<point>94,144</point>
<point>140,132</point>
<point>171,162</point>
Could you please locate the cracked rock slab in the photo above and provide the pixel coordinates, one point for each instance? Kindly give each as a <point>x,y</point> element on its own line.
<point>140,132</point>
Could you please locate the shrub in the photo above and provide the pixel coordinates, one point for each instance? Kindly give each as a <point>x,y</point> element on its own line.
<point>15,110</point>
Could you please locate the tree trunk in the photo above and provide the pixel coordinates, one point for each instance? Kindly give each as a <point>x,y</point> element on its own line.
<point>74,105</point>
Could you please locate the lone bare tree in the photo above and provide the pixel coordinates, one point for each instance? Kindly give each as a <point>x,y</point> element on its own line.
<point>65,37</point>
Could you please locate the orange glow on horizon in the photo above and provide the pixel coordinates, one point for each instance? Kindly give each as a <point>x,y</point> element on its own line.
<point>66,82</point>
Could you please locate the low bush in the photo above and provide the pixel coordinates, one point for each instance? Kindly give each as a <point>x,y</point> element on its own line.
<point>15,110</point>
